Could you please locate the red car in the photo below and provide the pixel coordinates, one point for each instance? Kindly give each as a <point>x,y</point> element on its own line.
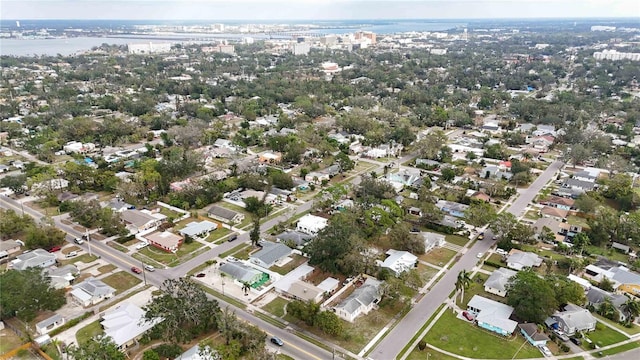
<point>55,248</point>
<point>136,270</point>
<point>467,316</point>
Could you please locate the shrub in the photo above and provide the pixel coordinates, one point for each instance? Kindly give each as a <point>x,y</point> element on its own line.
<point>422,345</point>
<point>168,351</point>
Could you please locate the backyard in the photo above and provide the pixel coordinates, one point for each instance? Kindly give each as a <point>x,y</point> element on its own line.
<point>88,332</point>
<point>463,338</point>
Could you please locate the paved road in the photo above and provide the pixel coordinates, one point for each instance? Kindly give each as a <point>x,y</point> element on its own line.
<point>294,346</point>
<point>397,338</point>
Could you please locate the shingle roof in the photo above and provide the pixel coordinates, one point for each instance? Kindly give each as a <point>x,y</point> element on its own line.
<point>576,317</point>
<point>240,271</point>
<point>499,279</point>
<point>94,287</point>
<point>297,237</point>
<point>222,212</point>
<point>271,252</point>
<point>365,295</point>
<point>126,322</point>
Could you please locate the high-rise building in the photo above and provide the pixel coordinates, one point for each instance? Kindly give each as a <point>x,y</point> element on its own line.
<point>300,48</point>
<point>360,35</point>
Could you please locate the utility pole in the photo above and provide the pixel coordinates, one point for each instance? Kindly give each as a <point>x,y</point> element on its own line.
<point>86,233</point>
<point>144,273</point>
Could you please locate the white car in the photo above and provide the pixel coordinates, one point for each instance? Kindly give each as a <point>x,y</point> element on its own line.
<point>480,254</point>
<point>72,254</point>
<point>142,245</point>
<point>149,268</point>
<point>545,350</point>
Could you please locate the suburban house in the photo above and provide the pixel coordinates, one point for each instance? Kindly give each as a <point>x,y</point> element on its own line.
<point>243,273</point>
<point>497,283</point>
<point>586,284</point>
<point>9,248</point>
<point>269,157</point>
<point>304,291</point>
<point>432,240</point>
<point>49,324</point>
<point>415,211</point>
<point>554,213</point>
<point>118,205</point>
<point>519,260</point>
<point>553,225</point>
<point>295,237</point>
<point>311,224</point>
<point>480,196</point>
<point>141,220</point>
<point>581,185</point>
<point>533,335</point>
<point>625,249</point>
<point>399,261</point>
<point>125,324</point>
<point>35,258</point>
<point>91,291</point>
<point>402,178</point>
<point>62,277</point>
<point>452,208</point>
<point>596,297</point>
<point>624,280</point>
<point>195,353</point>
<point>587,175</point>
<point>270,254</point>
<point>198,229</point>
<point>492,315</point>
<point>164,240</point>
<point>225,215</point>
<point>361,301</point>
<point>574,319</point>
<point>559,202</point>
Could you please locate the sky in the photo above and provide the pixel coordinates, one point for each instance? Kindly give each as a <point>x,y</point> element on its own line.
<point>313,9</point>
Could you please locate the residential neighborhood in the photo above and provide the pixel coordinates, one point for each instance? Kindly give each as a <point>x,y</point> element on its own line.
<point>469,193</point>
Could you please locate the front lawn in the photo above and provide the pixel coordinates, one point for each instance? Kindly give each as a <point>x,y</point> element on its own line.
<point>438,256</point>
<point>617,349</point>
<point>603,336</point>
<point>88,332</point>
<point>106,268</point>
<point>170,259</point>
<point>634,329</point>
<point>296,261</point>
<point>427,353</point>
<point>276,307</point>
<point>218,234</point>
<point>121,281</point>
<point>457,240</point>
<point>463,338</point>
<point>85,258</point>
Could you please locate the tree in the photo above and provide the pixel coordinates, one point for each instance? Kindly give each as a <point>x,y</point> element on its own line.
<point>11,223</point>
<point>429,146</point>
<point>402,239</point>
<point>344,162</point>
<point>25,293</point>
<point>254,235</point>
<point>577,154</point>
<point>565,290</point>
<point>580,241</point>
<point>586,203</point>
<point>531,296</point>
<point>329,323</point>
<point>608,310</point>
<point>185,309</point>
<point>43,237</point>
<point>100,348</point>
<point>150,355</point>
<point>462,282</point>
<point>606,284</point>
<point>631,309</point>
<point>15,183</point>
<point>332,245</point>
<point>480,213</point>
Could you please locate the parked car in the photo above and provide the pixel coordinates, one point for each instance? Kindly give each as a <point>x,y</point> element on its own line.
<point>149,268</point>
<point>54,249</point>
<point>200,275</point>
<point>233,237</point>
<point>78,241</point>
<point>72,254</point>
<point>561,335</point>
<point>277,341</point>
<point>141,245</point>
<point>545,350</point>
<point>467,315</point>
<point>481,236</point>
<point>575,340</point>
<point>136,270</point>
<point>480,254</point>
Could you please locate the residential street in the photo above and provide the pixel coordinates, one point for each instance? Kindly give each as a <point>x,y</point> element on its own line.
<point>397,338</point>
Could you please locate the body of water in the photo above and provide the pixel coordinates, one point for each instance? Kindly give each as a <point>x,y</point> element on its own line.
<point>69,46</point>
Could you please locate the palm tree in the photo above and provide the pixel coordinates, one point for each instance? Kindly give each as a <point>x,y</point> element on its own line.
<point>608,310</point>
<point>246,287</point>
<point>463,282</point>
<point>631,309</point>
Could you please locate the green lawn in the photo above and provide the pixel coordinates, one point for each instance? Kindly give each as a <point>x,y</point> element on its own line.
<point>297,261</point>
<point>121,281</point>
<point>578,221</point>
<point>85,258</point>
<point>9,340</point>
<point>276,307</point>
<point>610,254</point>
<point>244,253</point>
<point>106,268</point>
<point>427,353</point>
<point>604,336</point>
<point>218,234</point>
<point>188,248</point>
<point>233,250</point>
<point>88,332</point>
<point>438,256</point>
<point>170,259</point>
<point>463,338</point>
<point>635,329</point>
<point>118,247</point>
<point>617,349</point>
<point>457,240</point>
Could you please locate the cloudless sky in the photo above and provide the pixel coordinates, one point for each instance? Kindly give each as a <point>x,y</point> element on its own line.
<point>314,9</point>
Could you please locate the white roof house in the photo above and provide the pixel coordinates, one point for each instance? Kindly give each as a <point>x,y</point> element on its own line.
<point>399,261</point>
<point>91,291</point>
<point>311,224</point>
<point>497,283</point>
<point>432,240</point>
<point>361,301</point>
<point>36,258</point>
<point>49,324</point>
<point>492,315</point>
<point>198,228</point>
<point>519,260</point>
<point>125,324</point>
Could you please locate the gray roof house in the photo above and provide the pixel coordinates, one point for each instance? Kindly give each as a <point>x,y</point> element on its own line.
<point>497,283</point>
<point>432,240</point>
<point>49,324</point>
<point>298,238</point>
<point>241,272</point>
<point>519,260</point>
<point>138,220</point>
<point>36,258</point>
<point>225,215</point>
<point>61,277</point>
<point>596,296</point>
<point>270,254</point>
<point>574,319</point>
<point>91,291</point>
<point>361,301</point>
<point>576,184</point>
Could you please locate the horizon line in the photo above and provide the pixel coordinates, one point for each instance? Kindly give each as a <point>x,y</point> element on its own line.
<point>349,19</point>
